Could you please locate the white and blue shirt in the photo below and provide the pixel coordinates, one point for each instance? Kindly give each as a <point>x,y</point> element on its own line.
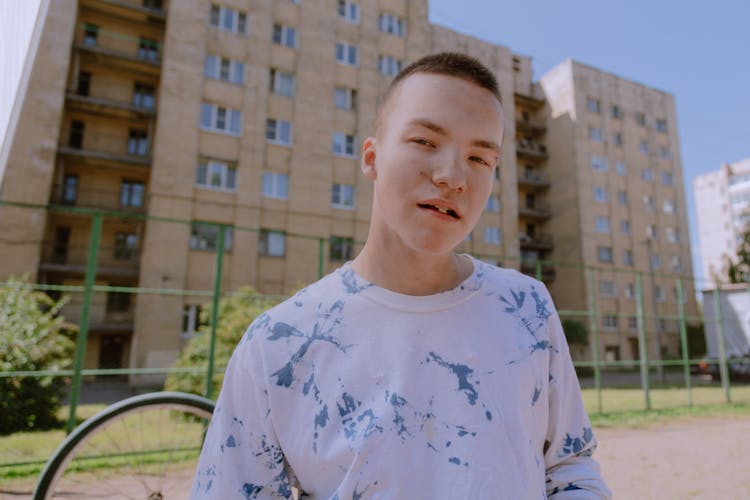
<point>351,391</point>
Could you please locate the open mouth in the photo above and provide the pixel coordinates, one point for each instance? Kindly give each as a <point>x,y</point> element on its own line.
<point>442,210</point>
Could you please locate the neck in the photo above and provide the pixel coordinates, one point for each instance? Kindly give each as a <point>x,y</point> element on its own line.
<point>411,273</point>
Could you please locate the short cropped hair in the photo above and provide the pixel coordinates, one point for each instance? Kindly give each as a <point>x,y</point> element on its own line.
<point>451,64</point>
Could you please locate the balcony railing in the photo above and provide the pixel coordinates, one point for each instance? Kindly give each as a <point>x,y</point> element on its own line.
<point>535,242</point>
<point>96,145</point>
<point>531,149</point>
<point>119,50</point>
<point>537,210</point>
<point>127,200</point>
<point>537,268</point>
<point>72,259</point>
<point>527,125</point>
<point>534,179</point>
<point>111,107</point>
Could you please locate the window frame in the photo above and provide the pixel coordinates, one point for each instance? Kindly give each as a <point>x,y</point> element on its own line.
<point>268,240</point>
<point>279,127</point>
<point>278,190</point>
<point>339,198</point>
<point>227,173</point>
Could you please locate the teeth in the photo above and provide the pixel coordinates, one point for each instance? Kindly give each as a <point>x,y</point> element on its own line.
<point>442,210</point>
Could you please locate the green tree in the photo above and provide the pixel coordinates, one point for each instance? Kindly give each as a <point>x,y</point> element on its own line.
<point>33,337</point>
<point>575,332</point>
<point>738,269</point>
<point>236,312</point>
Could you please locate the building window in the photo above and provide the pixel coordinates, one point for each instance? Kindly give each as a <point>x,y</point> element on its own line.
<point>275,185</point>
<point>118,302</point>
<point>600,194</point>
<point>191,320</point>
<point>625,226</point>
<point>143,96</point>
<point>346,54</point>
<point>345,98</point>
<point>272,243</point>
<point>609,321</point>
<point>216,175</point>
<point>672,234</point>
<point>90,34</point>
<point>643,147</point>
<point>632,322</point>
<point>676,264</point>
<point>593,105</point>
<point>649,203</point>
<point>148,50</point>
<point>651,232</point>
<point>622,197</point>
<point>668,206</point>
<point>493,235</point>
<point>279,132</point>
<point>661,125</point>
<point>629,291</point>
<point>647,174</point>
<point>216,118</point>
<point>284,35</point>
<point>604,254</point>
<point>228,19</point>
<point>205,236</point>
<point>659,294</point>
<point>131,194</point>
<point>655,262</point>
<point>341,248</point>
<point>493,204</point>
<point>607,288</point>
<point>349,10</point>
<point>70,189</point>
<point>640,119</point>
<point>84,83</point>
<point>388,65</point>
<point>599,163</point>
<point>621,168</point>
<point>75,137</point>
<point>152,4</point>
<point>221,68</point>
<point>667,179</point>
<point>282,82</point>
<point>138,143</point>
<point>392,24</point>
<point>665,153</point>
<point>126,246</point>
<point>344,144</point>
<point>595,134</point>
<point>602,224</point>
<point>627,258</point>
<point>616,112</point>
<point>617,139</point>
<point>342,196</point>
<point>612,353</point>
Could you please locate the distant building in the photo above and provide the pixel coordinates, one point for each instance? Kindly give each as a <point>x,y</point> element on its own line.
<point>722,203</point>
<point>251,114</point>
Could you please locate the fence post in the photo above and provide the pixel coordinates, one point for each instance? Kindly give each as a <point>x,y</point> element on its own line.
<point>321,242</point>
<point>683,340</point>
<point>594,337</point>
<point>723,371</point>
<point>538,270</point>
<point>215,310</point>
<point>83,331</point>
<point>642,349</point>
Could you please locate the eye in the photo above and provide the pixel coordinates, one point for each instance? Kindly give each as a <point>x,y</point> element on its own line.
<point>479,159</point>
<point>422,142</point>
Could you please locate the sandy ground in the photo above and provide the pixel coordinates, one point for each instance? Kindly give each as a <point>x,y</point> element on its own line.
<point>697,459</point>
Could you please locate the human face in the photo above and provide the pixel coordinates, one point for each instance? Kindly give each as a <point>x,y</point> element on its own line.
<point>432,163</point>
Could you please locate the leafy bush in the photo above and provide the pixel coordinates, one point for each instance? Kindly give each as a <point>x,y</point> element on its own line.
<point>236,312</point>
<point>33,336</point>
<point>696,341</point>
<point>575,332</point>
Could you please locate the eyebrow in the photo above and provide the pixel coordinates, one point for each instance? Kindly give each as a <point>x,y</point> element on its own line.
<point>421,122</point>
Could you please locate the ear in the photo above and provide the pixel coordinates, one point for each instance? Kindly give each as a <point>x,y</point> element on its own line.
<point>368,158</point>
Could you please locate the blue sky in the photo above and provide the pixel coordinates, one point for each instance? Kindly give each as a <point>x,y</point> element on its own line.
<point>699,51</point>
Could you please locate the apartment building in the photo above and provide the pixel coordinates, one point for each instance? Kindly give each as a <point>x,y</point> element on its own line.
<point>201,124</point>
<point>722,203</point>
<point>619,206</point>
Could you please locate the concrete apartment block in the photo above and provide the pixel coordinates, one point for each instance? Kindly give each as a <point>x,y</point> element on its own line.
<point>251,115</point>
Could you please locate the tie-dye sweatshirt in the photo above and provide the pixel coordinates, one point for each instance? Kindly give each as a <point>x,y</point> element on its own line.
<point>348,390</point>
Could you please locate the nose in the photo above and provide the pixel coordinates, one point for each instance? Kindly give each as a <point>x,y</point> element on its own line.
<point>449,171</point>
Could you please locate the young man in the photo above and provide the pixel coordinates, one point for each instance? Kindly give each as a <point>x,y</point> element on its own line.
<point>411,372</point>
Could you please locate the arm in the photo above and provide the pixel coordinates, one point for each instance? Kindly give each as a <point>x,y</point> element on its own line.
<point>241,457</point>
<point>571,472</point>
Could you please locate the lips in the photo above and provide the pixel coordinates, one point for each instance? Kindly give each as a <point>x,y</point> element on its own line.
<point>442,207</point>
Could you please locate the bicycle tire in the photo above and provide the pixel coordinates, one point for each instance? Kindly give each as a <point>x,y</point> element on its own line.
<point>112,416</point>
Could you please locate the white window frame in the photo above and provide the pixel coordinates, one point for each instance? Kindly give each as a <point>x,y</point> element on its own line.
<point>609,322</point>
<point>649,203</point>
<point>676,264</point>
<point>275,185</point>
<point>622,197</point>
<point>647,174</point>
<point>207,171</point>
<point>343,196</point>
<point>282,82</point>
<point>347,54</point>
<point>600,194</point>
<point>348,10</point>
<point>668,206</point>
<point>665,153</point>
<point>600,252</point>
<point>389,65</point>
<point>667,179</point>
<point>661,125</point>
<point>345,98</point>
<point>599,163</point>
<point>272,243</point>
<point>223,69</point>
<point>215,118</point>
<point>197,244</point>
<point>283,132</point>
<point>627,258</point>
<point>346,244</point>
<point>284,35</point>
<point>643,146</point>
<point>344,145</point>
<point>492,235</point>
<point>593,105</point>
<point>607,288</point>
<point>621,168</point>
<point>671,234</point>
<point>231,20</point>
<point>625,226</point>
<point>191,315</point>
<point>391,23</point>
<point>596,134</point>
<point>493,204</point>
<point>629,291</point>
<point>601,224</point>
<point>660,295</point>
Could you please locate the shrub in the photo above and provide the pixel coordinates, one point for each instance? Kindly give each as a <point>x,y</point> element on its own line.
<point>575,332</point>
<point>236,312</point>
<point>33,337</point>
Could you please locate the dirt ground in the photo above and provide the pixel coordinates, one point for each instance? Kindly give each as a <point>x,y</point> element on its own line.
<point>697,459</point>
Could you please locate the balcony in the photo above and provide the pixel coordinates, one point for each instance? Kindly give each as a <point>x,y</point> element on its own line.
<point>529,126</point>
<point>72,260</point>
<point>533,179</point>
<point>531,149</point>
<point>118,51</point>
<point>538,269</point>
<point>541,242</point>
<point>108,149</point>
<point>132,10</point>
<point>529,96</point>
<point>536,210</point>
<point>103,106</point>
<point>128,199</point>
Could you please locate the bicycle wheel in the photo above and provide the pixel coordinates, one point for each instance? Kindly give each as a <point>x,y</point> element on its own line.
<point>144,447</point>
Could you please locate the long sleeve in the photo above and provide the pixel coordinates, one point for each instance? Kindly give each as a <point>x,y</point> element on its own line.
<point>571,472</point>
<point>241,457</point>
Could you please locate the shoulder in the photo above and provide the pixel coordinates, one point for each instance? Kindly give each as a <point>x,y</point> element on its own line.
<point>503,279</point>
